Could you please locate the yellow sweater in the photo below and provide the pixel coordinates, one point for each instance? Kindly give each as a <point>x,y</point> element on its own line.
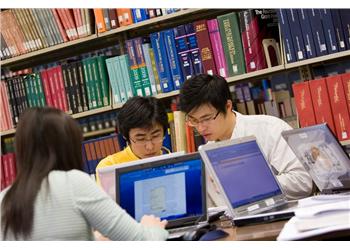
<point>125,155</point>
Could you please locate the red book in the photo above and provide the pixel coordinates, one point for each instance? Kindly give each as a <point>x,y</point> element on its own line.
<point>47,88</point>
<point>339,107</point>
<point>112,13</point>
<point>60,25</point>
<point>12,166</point>
<point>252,41</point>
<point>218,51</point>
<point>303,103</point>
<point>53,87</point>
<point>320,100</point>
<point>2,186</point>
<point>61,88</point>
<point>6,169</point>
<point>346,82</point>
<point>204,46</point>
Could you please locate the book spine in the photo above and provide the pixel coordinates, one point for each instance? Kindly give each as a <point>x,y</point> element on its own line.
<point>183,51</point>
<point>47,88</point>
<point>218,51</point>
<point>61,88</point>
<point>306,33</point>
<point>113,80</point>
<point>339,107</point>
<point>286,36</point>
<point>328,29</point>
<point>346,82</point>
<point>345,20</point>
<point>194,49</point>
<point>321,104</point>
<point>163,68</point>
<point>39,83</point>
<point>205,48</point>
<point>169,42</point>
<point>298,41</point>
<point>339,33</point>
<point>123,69</point>
<point>303,104</point>
<point>252,41</point>
<point>82,86</point>
<point>97,85</point>
<point>317,31</point>
<point>140,58</point>
<point>67,79</point>
<point>145,49</point>
<point>72,69</point>
<point>232,44</point>
<point>134,69</point>
<point>154,68</point>
<point>113,18</point>
<point>102,69</point>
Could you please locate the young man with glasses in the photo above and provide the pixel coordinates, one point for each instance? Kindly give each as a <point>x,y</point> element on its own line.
<point>143,122</point>
<point>207,103</point>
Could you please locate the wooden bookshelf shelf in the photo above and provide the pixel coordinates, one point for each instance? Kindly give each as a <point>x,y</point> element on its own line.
<point>258,73</point>
<point>345,143</point>
<point>318,59</point>
<point>92,112</point>
<point>8,132</point>
<point>99,132</point>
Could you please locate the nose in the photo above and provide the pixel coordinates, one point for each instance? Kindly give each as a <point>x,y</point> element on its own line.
<point>200,128</point>
<point>149,145</point>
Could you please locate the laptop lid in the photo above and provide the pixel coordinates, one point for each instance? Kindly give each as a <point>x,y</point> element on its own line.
<point>243,175</point>
<point>321,155</point>
<point>107,174</point>
<point>173,189</point>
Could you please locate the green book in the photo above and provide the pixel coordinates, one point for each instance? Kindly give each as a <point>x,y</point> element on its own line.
<point>28,90</point>
<point>232,43</point>
<point>104,83</point>
<point>126,74</point>
<point>88,79</point>
<point>113,80</point>
<point>41,95</point>
<point>96,83</point>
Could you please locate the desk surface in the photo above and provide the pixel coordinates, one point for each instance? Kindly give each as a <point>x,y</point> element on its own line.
<point>268,231</point>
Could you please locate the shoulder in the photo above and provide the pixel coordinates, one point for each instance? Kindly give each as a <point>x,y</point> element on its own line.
<point>112,159</point>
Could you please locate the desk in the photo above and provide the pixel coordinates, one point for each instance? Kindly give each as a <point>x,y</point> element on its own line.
<point>268,231</point>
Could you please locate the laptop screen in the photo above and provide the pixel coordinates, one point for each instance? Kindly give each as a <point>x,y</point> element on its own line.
<point>321,155</point>
<point>170,189</point>
<point>243,173</point>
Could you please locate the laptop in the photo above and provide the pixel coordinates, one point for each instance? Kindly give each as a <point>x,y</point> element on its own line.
<point>322,156</point>
<point>246,181</point>
<point>107,174</point>
<point>173,189</point>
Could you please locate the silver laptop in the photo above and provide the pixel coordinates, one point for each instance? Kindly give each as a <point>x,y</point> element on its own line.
<point>322,156</point>
<point>246,181</point>
<point>173,189</point>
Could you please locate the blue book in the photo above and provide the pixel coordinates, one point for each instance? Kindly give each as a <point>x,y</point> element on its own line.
<point>298,41</point>
<point>338,29</point>
<point>183,51</point>
<point>175,69</point>
<point>139,15</point>
<point>307,33</point>
<point>194,50</point>
<point>345,19</point>
<point>317,31</point>
<point>286,36</point>
<point>328,28</point>
<point>162,64</point>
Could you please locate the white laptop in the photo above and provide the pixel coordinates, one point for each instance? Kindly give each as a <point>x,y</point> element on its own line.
<point>107,174</point>
<point>173,189</point>
<point>322,156</point>
<point>246,181</point>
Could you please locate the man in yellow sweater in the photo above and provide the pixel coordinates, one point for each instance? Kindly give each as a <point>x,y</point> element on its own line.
<point>143,122</point>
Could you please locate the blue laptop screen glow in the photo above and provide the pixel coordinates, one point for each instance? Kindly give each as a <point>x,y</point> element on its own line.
<point>170,191</point>
<point>243,173</point>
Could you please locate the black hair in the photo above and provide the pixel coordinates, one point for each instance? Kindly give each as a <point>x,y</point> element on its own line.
<point>204,89</point>
<point>141,112</point>
<point>46,139</point>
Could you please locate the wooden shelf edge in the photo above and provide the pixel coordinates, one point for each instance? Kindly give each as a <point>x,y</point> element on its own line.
<point>255,74</point>
<point>92,112</point>
<point>98,132</point>
<point>6,62</point>
<point>345,143</point>
<point>8,132</point>
<point>317,59</point>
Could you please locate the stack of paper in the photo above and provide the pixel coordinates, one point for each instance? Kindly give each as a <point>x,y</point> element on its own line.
<point>316,216</point>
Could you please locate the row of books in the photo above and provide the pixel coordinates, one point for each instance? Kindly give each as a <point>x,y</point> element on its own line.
<point>8,170</point>
<point>26,30</point>
<point>325,100</point>
<point>98,122</point>
<point>107,19</point>
<point>260,99</point>
<point>309,33</point>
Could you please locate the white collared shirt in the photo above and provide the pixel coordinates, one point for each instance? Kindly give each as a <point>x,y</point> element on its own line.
<point>293,178</point>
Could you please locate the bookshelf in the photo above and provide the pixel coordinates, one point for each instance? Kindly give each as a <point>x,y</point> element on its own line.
<point>101,40</point>
<point>99,132</point>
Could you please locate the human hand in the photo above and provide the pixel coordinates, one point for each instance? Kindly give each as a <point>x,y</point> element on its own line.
<point>151,220</point>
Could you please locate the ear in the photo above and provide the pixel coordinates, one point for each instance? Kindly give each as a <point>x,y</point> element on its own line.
<point>229,105</point>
